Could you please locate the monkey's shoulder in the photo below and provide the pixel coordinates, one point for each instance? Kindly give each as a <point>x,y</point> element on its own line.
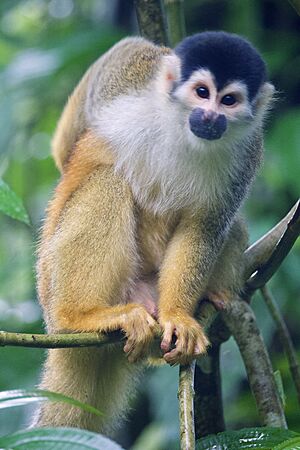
<point>128,65</point>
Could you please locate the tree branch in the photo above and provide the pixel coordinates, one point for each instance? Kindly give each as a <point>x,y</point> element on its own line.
<point>186,406</point>
<point>259,253</point>
<point>241,322</point>
<point>209,415</point>
<point>151,20</point>
<point>284,337</point>
<point>175,21</point>
<point>58,340</point>
<point>286,242</point>
<point>296,5</point>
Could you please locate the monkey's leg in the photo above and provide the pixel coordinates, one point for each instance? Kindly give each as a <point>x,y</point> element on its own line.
<point>93,260</point>
<point>227,277</point>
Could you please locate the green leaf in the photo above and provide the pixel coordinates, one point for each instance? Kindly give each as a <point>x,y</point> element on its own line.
<point>11,205</point>
<point>246,439</point>
<point>57,439</point>
<point>19,397</point>
<point>291,444</point>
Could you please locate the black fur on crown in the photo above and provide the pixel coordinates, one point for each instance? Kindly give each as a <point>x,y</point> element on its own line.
<point>228,56</point>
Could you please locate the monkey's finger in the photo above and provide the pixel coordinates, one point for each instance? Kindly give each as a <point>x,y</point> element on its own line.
<point>190,346</point>
<point>175,357</point>
<point>140,350</point>
<point>134,357</point>
<point>167,337</point>
<point>151,321</point>
<point>128,347</point>
<point>182,337</point>
<point>133,350</point>
<point>172,357</point>
<point>201,345</point>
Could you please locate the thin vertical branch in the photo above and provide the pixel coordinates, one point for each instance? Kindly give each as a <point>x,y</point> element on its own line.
<point>241,321</point>
<point>151,20</point>
<point>186,406</point>
<point>209,415</point>
<point>175,21</point>
<point>285,338</point>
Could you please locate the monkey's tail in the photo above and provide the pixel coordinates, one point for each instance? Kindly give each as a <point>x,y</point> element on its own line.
<point>100,377</point>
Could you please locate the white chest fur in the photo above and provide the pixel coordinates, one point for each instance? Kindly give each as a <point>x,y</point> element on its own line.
<point>166,166</point>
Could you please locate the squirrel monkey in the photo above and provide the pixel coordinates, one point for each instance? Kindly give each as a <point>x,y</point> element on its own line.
<point>157,149</point>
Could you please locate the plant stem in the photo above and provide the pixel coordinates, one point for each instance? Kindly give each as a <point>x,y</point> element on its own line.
<point>58,340</point>
<point>209,416</point>
<point>186,406</point>
<point>260,251</point>
<point>175,21</point>
<point>241,321</point>
<point>280,251</point>
<point>285,337</point>
<point>151,20</point>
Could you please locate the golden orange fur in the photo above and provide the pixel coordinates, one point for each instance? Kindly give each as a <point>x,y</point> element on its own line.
<point>103,264</point>
<point>108,260</point>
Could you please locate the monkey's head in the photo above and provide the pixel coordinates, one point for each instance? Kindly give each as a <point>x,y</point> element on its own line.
<point>220,83</point>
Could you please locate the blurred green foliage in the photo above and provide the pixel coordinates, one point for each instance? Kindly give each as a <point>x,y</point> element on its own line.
<point>45,47</point>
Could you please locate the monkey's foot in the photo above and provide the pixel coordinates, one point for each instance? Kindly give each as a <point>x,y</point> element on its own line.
<point>139,328</point>
<point>190,339</point>
<point>219,299</point>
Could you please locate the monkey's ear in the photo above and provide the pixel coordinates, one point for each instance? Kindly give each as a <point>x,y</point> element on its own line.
<point>265,95</point>
<point>169,73</point>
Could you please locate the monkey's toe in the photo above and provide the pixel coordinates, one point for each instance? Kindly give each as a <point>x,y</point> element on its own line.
<point>140,330</point>
<point>219,299</point>
<point>190,340</point>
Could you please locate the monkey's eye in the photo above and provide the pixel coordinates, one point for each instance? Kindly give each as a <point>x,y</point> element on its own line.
<point>229,100</point>
<point>202,92</point>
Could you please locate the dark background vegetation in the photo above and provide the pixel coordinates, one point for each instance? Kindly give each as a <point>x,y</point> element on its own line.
<point>45,47</point>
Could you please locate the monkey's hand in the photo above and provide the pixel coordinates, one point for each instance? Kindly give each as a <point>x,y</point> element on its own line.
<point>190,339</point>
<point>139,327</point>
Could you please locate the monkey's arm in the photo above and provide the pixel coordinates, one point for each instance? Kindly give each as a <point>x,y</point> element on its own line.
<point>227,277</point>
<point>183,279</point>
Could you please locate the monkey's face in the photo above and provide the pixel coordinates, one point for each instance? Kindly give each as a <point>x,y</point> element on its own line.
<point>212,113</point>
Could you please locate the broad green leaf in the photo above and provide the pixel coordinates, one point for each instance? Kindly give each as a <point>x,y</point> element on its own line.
<point>19,397</point>
<point>11,204</point>
<point>246,439</point>
<point>291,444</point>
<point>57,439</point>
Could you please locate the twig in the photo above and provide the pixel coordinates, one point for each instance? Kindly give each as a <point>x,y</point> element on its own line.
<point>209,415</point>
<point>175,21</point>
<point>151,20</point>
<point>285,338</point>
<point>58,340</point>
<point>241,322</point>
<point>186,406</point>
<point>296,5</point>
<point>261,253</point>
